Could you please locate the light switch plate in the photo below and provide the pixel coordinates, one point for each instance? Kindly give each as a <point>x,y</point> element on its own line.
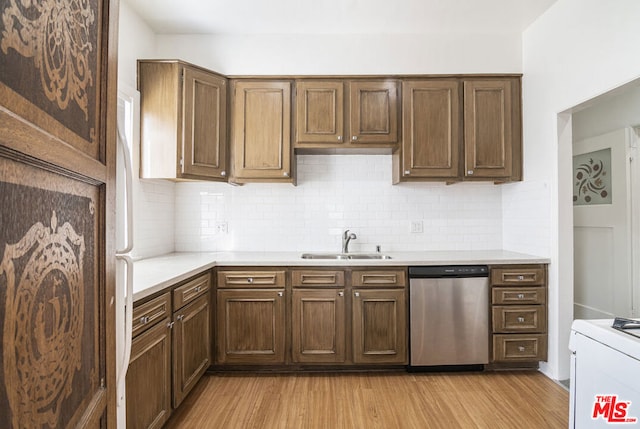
<point>416,227</point>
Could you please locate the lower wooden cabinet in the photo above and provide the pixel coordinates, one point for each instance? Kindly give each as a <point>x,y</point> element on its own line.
<point>169,352</point>
<point>191,346</point>
<point>519,314</point>
<point>250,326</point>
<point>318,326</point>
<point>149,378</point>
<point>379,326</point>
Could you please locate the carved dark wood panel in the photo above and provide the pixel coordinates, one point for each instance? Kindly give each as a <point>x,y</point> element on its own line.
<point>50,69</point>
<point>50,305</point>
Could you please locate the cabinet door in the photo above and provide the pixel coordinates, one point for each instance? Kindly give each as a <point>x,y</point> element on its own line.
<point>432,137</point>
<point>489,134</point>
<point>251,324</point>
<point>191,347</point>
<point>373,112</point>
<point>261,127</point>
<point>149,378</point>
<point>318,326</point>
<point>204,125</point>
<point>319,112</point>
<point>379,326</point>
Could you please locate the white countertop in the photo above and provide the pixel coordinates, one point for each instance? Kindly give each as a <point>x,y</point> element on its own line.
<point>154,274</point>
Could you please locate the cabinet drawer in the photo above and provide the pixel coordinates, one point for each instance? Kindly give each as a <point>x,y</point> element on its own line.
<point>317,278</point>
<point>534,275</point>
<point>251,279</point>
<point>519,295</point>
<point>182,295</point>
<point>379,278</point>
<point>513,318</point>
<point>148,314</point>
<point>519,348</point>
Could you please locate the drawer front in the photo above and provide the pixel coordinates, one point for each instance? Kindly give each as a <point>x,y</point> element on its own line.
<point>317,278</point>
<point>379,278</point>
<point>514,348</point>
<point>513,318</point>
<point>534,275</point>
<point>183,295</point>
<point>148,314</point>
<point>519,295</point>
<point>250,279</point>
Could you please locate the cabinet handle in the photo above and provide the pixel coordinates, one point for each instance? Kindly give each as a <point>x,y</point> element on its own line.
<point>249,279</point>
<point>356,294</point>
<point>223,173</point>
<point>407,172</point>
<point>180,317</point>
<point>285,174</point>
<point>170,325</point>
<point>339,138</point>
<point>280,293</point>
<point>354,138</point>
<point>198,289</point>
<point>520,296</point>
<point>521,319</point>
<point>144,320</point>
<point>521,349</point>
<point>341,293</point>
<point>520,277</point>
<point>470,172</point>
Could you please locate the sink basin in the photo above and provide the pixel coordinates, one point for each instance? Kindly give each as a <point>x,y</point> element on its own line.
<point>343,256</point>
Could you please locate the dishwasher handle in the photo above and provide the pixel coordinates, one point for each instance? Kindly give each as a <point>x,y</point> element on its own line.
<point>448,271</point>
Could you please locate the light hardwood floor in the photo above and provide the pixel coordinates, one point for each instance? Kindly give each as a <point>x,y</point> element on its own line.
<point>376,400</point>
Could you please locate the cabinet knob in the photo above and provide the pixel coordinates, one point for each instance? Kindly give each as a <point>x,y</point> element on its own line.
<point>198,289</point>
<point>470,172</point>
<point>521,349</point>
<point>521,277</point>
<point>521,319</point>
<point>280,294</point>
<point>356,294</point>
<point>249,279</point>
<point>170,325</point>
<point>180,317</point>
<point>223,173</point>
<point>520,296</point>
<point>144,320</point>
<point>285,174</point>
<point>354,138</point>
<point>341,293</point>
<point>339,138</point>
<point>407,172</point>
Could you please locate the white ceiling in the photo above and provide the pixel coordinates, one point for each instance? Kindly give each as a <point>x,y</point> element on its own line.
<point>339,16</point>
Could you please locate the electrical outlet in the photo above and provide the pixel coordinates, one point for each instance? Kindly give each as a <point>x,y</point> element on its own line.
<point>416,227</point>
<point>222,227</point>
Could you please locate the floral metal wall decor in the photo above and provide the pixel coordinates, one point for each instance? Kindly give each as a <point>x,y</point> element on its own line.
<point>592,178</point>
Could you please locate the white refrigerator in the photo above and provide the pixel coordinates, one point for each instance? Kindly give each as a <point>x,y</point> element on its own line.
<point>605,376</point>
<point>127,103</point>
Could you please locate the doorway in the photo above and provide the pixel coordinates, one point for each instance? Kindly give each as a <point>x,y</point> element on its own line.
<point>606,203</point>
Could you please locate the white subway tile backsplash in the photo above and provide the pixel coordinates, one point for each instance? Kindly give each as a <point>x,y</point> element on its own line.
<point>337,192</point>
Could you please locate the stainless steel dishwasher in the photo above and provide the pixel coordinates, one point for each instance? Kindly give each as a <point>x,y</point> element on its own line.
<point>449,316</point>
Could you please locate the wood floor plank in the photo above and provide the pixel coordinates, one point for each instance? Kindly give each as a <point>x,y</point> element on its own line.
<point>375,401</point>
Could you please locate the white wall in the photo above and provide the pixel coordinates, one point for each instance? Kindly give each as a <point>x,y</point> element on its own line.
<point>348,53</point>
<point>608,114</point>
<point>154,199</point>
<point>577,50</point>
<point>334,193</point>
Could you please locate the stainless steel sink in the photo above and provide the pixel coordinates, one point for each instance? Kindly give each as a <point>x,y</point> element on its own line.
<point>344,256</point>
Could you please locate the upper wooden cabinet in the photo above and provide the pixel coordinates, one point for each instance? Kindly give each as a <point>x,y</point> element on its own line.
<point>261,131</point>
<point>183,121</point>
<point>492,129</point>
<point>432,129</point>
<point>461,129</point>
<point>366,117</point>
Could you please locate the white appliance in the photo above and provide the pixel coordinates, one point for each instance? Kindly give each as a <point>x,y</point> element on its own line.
<point>127,99</point>
<point>605,376</point>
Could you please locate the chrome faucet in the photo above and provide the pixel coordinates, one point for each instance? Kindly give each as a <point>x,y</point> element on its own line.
<point>346,238</point>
